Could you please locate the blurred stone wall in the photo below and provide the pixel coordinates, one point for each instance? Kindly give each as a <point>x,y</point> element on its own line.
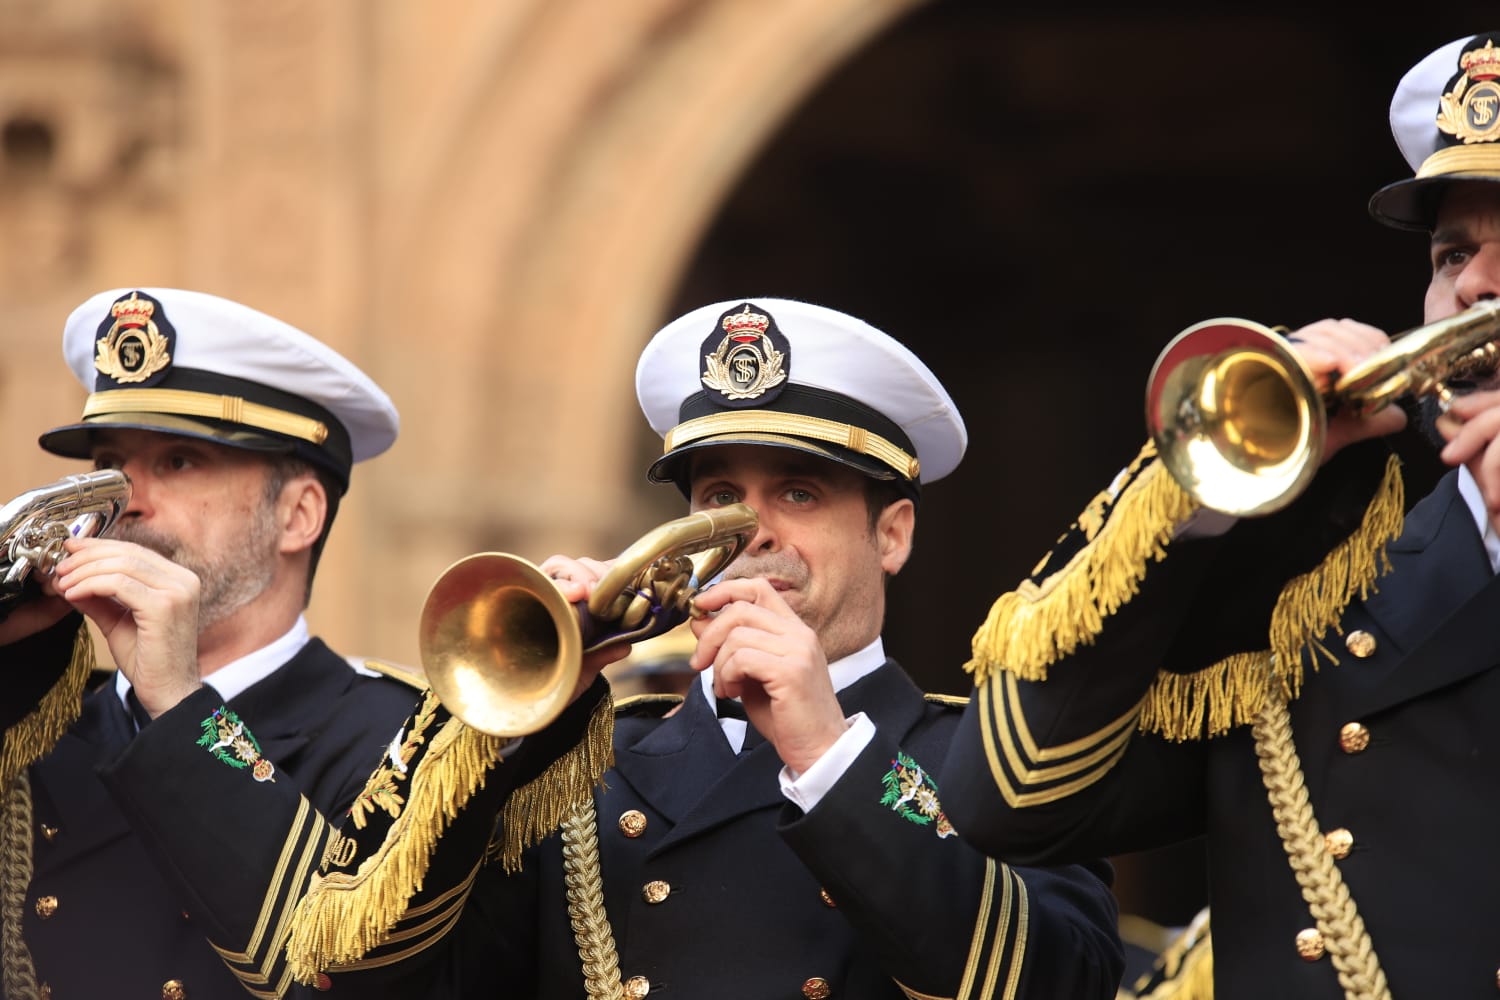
<point>485,205</point>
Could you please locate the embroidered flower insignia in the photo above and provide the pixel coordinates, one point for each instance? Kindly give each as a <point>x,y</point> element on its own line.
<point>912,794</point>
<point>228,739</point>
<point>382,792</point>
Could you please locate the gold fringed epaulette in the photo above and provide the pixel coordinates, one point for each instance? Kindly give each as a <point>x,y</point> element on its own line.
<point>38,731</point>
<point>1096,567</point>
<point>345,914</point>
<point>1185,968</point>
<point>384,852</point>
<point>1232,692</point>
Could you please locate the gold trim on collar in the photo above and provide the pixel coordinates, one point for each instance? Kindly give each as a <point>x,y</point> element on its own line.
<point>184,402</point>
<point>1475,159</point>
<point>856,439</point>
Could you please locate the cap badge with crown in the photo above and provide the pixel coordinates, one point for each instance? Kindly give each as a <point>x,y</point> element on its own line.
<point>131,347</point>
<point>746,363</point>
<point>1472,113</point>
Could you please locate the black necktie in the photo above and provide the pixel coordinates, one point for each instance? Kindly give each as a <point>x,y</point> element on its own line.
<point>728,708</point>
<point>137,710</point>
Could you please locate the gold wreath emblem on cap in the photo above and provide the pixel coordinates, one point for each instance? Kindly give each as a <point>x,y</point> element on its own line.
<point>738,368</point>
<point>1472,114</point>
<point>133,350</point>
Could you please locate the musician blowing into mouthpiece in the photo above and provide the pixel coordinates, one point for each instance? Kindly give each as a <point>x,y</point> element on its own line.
<point>1310,684</point>
<point>780,830</point>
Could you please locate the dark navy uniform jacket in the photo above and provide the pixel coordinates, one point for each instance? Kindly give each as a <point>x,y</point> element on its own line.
<point>112,927</point>
<point>715,886</point>
<point>1399,749</point>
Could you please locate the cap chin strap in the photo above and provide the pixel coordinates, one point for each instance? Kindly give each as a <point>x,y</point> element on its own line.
<point>856,439</point>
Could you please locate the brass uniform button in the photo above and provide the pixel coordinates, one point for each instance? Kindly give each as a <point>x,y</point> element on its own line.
<point>48,832</point>
<point>637,987</point>
<point>323,983</point>
<point>827,899</point>
<point>632,823</point>
<point>1360,643</point>
<point>1353,738</point>
<point>817,988</point>
<point>46,906</point>
<point>655,892</point>
<point>173,989</point>
<point>1310,944</point>
<point>1339,842</point>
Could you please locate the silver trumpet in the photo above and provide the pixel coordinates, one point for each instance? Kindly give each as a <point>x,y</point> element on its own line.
<point>35,524</point>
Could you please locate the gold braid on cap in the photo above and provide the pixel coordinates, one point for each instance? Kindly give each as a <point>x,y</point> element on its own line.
<point>210,406</point>
<point>1480,160</point>
<point>856,439</point>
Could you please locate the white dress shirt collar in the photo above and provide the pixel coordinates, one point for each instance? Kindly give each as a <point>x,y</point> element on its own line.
<point>1469,490</point>
<point>237,675</point>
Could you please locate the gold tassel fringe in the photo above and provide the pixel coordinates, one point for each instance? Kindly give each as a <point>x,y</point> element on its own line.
<point>1213,700</point>
<point>1233,692</point>
<point>1034,626</point>
<point>35,735</point>
<point>1313,603</point>
<point>343,917</point>
<point>537,808</point>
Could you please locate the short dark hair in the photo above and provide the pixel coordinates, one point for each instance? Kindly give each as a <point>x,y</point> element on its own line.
<point>282,470</point>
<point>880,494</point>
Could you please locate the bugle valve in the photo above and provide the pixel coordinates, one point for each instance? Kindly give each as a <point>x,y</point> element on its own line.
<point>1241,424</point>
<point>502,648</point>
<point>35,524</point>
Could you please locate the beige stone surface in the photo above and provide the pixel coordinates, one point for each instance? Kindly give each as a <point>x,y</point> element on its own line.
<point>483,204</point>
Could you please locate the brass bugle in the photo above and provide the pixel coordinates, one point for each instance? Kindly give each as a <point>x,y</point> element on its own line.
<point>1240,423</point>
<point>502,647</point>
<point>35,524</point>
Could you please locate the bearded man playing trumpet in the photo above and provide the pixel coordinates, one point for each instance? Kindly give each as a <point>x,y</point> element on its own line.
<point>1310,683</point>
<point>238,434</point>
<point>777,832</point>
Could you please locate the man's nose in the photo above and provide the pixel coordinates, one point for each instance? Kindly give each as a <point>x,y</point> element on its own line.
<point>1481,278</point>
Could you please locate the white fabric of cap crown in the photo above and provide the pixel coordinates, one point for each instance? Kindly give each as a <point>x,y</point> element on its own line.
<point>227,338</point>
<point>831,351</point>
<point>1414,106</point>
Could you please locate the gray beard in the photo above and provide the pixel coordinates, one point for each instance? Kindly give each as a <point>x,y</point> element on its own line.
<point>228,580</point>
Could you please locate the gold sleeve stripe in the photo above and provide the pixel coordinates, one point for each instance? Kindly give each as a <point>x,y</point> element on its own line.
<point>383,957</point>
<point>210,406</point>
<point>981,926</point>
<point>261,962</point>
<point>914,995</point>
<point>1004,724</point>
<point>1018,949</point>
<point>999,942</point>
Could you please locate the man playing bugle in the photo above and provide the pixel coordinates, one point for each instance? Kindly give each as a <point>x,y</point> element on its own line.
<point>1312,689</point>
<point>777,832</point>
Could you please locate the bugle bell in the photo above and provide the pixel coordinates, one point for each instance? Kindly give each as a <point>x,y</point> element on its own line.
<point>502,647</point>
<point>1241,425</point>
<point>35,524</point>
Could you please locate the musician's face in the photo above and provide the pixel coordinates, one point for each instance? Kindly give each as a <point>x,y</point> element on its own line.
<point>814,544</point>
<point>202,505</point>
<point>1465,250</point>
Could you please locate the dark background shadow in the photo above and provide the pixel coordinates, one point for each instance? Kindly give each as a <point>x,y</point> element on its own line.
<point>1035,197</point>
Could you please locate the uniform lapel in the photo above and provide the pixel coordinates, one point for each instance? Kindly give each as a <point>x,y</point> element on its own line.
<point>680,759</point>
<point>685,770</point>
<point>1439,604</point>
<point>282,710</point>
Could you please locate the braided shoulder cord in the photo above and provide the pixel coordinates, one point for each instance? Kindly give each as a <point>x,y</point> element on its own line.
<point>1333,910</point>
<point>596,942</point>
<point>19,973</point>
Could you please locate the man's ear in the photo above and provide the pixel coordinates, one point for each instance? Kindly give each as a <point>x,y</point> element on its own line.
<point>893,534</point>
<point>301,512</point>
